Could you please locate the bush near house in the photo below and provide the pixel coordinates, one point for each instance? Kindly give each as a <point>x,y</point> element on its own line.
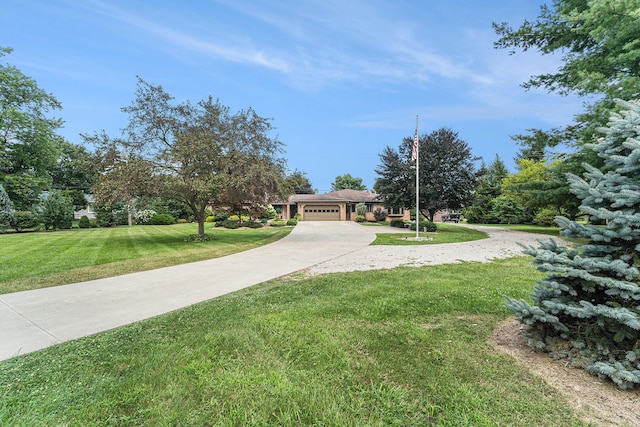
<point>397,223</point>
<point>380,215</point>
<point>84,222</point>
<point>278,223</point>
<point>292,221</point>
<point>361,218</point>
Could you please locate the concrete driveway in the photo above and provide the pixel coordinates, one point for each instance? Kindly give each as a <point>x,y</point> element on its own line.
<point>36,319</point>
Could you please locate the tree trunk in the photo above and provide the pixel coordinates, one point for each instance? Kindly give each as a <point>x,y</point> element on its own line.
<point>129,216</point>
<point>200,227</point>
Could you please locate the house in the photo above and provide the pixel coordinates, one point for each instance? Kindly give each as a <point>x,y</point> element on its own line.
<point>336,206</point>
<point>88,211</point>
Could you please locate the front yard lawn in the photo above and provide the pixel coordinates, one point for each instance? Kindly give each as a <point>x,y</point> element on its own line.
<point>405,347</point>
<point>37,260</point>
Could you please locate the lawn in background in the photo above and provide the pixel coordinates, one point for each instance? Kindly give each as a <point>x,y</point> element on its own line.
<point>405,347</point>
<point>446,233</point>
<point>528,228</point>
<point>36,260</point>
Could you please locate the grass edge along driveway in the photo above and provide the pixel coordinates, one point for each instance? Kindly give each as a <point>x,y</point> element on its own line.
<point>44,259</point>
<point>396,347</point>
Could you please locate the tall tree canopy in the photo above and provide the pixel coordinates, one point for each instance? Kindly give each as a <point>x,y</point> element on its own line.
<point>201,154</point>
<point>75,168</point>
<point>447,173</point>
<point>298,183</point>
<point>599,41</point>
<point>348,182</point>
<point>29,144</point>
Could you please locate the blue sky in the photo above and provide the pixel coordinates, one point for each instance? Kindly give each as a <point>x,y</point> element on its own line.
<point>341,79</point>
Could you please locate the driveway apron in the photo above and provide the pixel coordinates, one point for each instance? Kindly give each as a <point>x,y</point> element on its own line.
<point>32,320</point>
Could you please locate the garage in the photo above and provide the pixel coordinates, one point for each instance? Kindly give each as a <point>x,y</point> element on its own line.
<point>321,213</point>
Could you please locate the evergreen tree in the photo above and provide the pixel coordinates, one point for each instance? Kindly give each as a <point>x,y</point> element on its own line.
<point>588,309</point>
<point>57,211</point>
<point>489,187</point>
<point>6,210</point>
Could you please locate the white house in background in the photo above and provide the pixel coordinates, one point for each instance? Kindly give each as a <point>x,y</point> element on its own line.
<point>88,211</point>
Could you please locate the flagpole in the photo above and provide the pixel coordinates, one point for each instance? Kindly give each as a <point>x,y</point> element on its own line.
<point>417,149</point>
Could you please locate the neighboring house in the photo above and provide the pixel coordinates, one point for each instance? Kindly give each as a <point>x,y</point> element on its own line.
<point>336,206</point>
<point>88,211</point>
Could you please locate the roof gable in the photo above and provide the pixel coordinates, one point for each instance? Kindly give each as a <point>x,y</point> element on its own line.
<point>346,195</point>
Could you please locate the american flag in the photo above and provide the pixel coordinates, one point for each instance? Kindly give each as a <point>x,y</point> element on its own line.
<point>414,152</point>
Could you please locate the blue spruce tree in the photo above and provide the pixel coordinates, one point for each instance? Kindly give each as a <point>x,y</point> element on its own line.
<point>588,307</point>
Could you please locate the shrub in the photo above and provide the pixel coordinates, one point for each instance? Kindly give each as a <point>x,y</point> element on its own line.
<point>212,218</point>
<point>84,222</point>
<point>508,211</point>
<point>220,216</point>
<point>93,223</point>
<point>361,209</point>
<point>243,218</point>
<point>144,216</point>
<point>24,220</point>
<point>278,223</point>
<point>162,219</point>
<point>199,238</point>
<point>546,217</point>
<point>380,215</point>
<point>361,218</point>
<point>292,221</point>
<point>398,223</point>
<point>428,226</point>
<point>104,215</point>
<point>271,212</point>
<point>229,223</point>
<point>57,211</point>
<point>252,224</point>
<point>182,221</point>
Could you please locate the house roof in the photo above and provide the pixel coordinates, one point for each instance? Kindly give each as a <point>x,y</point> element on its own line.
<point>350,196</point>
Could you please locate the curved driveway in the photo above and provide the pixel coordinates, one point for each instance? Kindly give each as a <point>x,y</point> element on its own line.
<point>36,319</point>
<point>32,320</point>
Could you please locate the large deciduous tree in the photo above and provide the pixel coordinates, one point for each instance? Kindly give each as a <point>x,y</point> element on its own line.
<point>28,142</point>
<point>597,38</point>
<point>348,182</point>
<point>587,308</point>
<point>447,173</point>
<point>298,183</point>
<point>202,154</point>
<point>75,168</point>
<point>599,44</point>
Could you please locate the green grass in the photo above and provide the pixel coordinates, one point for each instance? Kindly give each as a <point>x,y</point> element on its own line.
<point>405,347</point>
<point>529,228</point>
<point>36,260</point>
<point>446,234</point>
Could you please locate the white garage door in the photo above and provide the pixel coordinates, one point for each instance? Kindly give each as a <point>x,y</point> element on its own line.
<point>321,213</point>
